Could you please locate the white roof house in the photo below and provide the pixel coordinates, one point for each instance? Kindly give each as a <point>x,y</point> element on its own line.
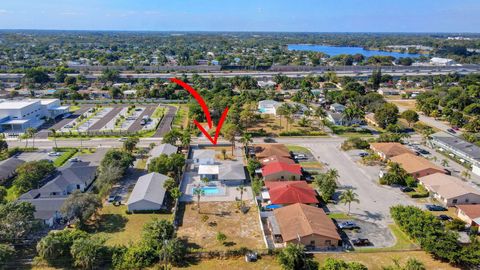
<point>148,193</point>
<point>204,157</point>
<point>268,106</point>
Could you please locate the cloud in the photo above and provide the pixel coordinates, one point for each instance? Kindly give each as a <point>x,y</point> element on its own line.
<point>3,11</point>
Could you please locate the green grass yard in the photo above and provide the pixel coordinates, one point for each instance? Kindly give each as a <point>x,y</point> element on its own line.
<point>119,227</point>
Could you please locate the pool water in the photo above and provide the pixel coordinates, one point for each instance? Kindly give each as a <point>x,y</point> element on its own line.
<point>210,190</point>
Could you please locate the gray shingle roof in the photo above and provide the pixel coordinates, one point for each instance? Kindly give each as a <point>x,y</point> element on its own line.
<point>468,149</point>
<point>204,154</point>
<point>8,167</point>
<point>150,188</point>
<point>231,171</point>
<point>165,148</point>
<point>45,208</point>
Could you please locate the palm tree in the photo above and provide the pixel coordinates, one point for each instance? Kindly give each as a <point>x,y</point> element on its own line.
<point>347,197</point>
<point>333,174</point>
<point>444,162</point>
<point>31,134</point>
<point>54,134</point>
<point>175,193</point>
<point>320,113</point>
<point>465,175</point>
<point>224,153</point>
<point>199,192</point>
<point>246,139</point>
<point>242,189</point>
<point>186,138</point>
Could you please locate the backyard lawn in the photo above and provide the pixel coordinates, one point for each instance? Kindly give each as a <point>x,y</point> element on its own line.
<point>374,261</point>
<point>120,228</point>
<point>200,229</point>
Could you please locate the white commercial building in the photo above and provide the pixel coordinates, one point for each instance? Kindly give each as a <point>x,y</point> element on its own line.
<point>442,61</point>
<point>17,115</point>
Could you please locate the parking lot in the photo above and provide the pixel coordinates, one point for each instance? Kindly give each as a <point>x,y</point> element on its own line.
<point>379,236</point>
<point>33,156</point>
<point>375,199</point>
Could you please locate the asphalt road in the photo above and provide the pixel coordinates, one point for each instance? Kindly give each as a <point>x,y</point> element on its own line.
<point>166,124</point>
<point>104,120</point>
<point>43,133</point>
<point>136,126</point>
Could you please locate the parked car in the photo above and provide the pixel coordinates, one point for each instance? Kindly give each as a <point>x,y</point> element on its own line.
<point>75,160</point>
<point>406,189</point>
<point>348,225</point>
<point>300,156</point>
<point>434,207</point>
<point>444,217</point>
<point>111,198</point>
<point>361,242</point>
<point>269,140</point>
<point>422,151</point>
<point>456,128</point>
<point>54,154</point>
<point>363,154</point>
<point>451,130</point>
<point>122,139</point>
<point>251,257</point>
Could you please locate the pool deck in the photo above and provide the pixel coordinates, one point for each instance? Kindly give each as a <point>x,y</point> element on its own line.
<point>191,179</point>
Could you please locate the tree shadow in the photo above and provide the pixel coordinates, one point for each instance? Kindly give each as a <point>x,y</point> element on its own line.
<point>110,223</point>
<point>229,244</point>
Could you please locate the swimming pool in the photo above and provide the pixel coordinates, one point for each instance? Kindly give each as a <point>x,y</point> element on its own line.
<point>210,190</point>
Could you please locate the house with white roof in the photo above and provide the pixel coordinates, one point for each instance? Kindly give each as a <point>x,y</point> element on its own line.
<point>148,193</point>
<point>204,157</point>
<point>268,106</point>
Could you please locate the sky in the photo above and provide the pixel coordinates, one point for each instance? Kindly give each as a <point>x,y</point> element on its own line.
<point>244,15</point>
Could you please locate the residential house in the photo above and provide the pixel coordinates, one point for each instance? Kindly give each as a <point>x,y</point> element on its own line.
<point>388,91</point>
<point>204,157</point>
<point>464,151</point>
<point>337,108</point>
<point>450,190</point>
<point>470,213</point>
<point>148,193</point>
<point>275,158</point>
<point>281,171</point>
<point>339,119</point>
<point>417,166</point>
<point>273,149</point>
<point>158,150</point>
<point>289,192</point>
<point>268,106</point>
<point>305,224</point>
<point>389,150</point>
<point>8,168</point>
<point>229,173</point>
<point>49,198</point>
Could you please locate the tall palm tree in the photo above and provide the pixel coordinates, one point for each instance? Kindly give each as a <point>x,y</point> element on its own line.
<point>199,192</point>
<point>320,114</point>
<point>54,134</point>
<point>242,189</point>
<point>246,139</point>
<point>347,197</point>
<point>333,174</point>
<point>31,134</point>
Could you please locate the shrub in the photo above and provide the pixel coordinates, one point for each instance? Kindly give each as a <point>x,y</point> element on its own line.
<point>64,157</point>
<point>355,143</point>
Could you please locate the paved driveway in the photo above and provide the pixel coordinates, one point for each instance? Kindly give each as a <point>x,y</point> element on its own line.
<point>33,156</point>
<point>375,200</point>
<point>166,124</point>
<point>105,119</point>
<point>137,126</point>
<point>43,133</point>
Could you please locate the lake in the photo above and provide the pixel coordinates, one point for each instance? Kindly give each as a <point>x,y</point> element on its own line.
<point>334,50</point>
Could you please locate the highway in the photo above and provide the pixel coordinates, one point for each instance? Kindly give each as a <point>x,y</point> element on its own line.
<point>353,71</point>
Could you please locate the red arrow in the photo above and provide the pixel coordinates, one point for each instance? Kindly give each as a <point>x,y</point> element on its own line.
<point>206,111</point>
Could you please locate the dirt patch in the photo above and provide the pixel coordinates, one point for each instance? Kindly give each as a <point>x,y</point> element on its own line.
<point>201,229</point>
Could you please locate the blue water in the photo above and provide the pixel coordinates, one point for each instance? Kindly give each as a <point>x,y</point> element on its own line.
<point>333,51</point>
<point>210,190</point>
<point>262,110</point>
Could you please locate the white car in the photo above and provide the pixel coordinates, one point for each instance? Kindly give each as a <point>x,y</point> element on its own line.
<point>123,139</point>
<point>54,154</point>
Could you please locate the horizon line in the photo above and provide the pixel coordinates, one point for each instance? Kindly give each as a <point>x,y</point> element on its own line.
<point>235,31</point>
